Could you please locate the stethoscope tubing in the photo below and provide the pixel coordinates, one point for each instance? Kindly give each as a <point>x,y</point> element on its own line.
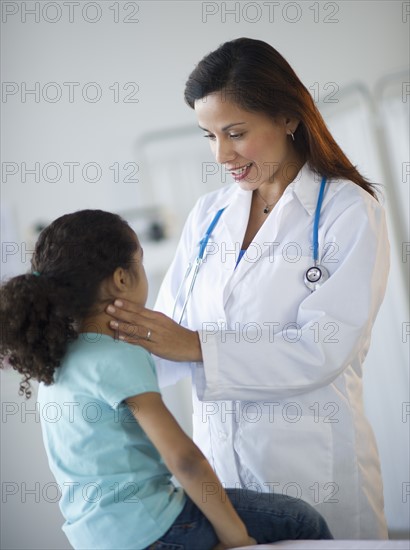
<point>316,222</point>
<point>204,242</point>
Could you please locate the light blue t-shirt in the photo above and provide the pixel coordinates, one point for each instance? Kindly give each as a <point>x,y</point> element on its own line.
<point>116,490</point>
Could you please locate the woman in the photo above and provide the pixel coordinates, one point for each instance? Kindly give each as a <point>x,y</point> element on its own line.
<point>276,359</point>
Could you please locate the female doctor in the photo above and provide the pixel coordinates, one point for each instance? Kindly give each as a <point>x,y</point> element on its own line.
<point>274,320</point>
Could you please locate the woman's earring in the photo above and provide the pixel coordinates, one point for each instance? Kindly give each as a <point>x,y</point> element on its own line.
<point>293,137</point>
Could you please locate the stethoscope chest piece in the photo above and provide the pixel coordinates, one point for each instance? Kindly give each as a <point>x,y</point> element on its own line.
<point>315,276</point>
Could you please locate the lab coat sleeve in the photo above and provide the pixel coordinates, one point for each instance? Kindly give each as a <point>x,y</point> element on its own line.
<point>170,372</point>
<point>331,331</point>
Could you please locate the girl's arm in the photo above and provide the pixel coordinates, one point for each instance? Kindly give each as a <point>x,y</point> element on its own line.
<point>187,463</point>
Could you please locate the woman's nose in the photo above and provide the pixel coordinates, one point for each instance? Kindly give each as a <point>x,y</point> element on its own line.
<point>223,151</point>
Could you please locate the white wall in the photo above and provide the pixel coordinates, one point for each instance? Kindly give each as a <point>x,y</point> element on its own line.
<point>350,42</point>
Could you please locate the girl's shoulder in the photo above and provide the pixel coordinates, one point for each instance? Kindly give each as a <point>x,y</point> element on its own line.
<point>98,366</point>
<point>97,347</point>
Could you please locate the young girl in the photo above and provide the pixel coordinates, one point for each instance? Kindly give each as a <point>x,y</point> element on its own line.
<point>112,444</point>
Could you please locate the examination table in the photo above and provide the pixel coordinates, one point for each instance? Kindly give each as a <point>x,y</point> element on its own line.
<point>333,545</point>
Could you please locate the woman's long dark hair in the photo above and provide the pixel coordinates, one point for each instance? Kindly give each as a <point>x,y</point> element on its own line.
<point>39,310</point>
<point>252,74</point>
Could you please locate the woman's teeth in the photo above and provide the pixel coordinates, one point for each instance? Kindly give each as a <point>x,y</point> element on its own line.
<point>241,170</point>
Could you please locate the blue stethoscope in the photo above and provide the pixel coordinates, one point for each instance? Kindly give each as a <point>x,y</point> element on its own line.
<point>313,277</point>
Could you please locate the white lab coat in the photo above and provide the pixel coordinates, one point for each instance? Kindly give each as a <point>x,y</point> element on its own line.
<point>278,397</point>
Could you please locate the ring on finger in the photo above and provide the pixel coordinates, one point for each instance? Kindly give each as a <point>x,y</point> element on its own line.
<point>148,337</point>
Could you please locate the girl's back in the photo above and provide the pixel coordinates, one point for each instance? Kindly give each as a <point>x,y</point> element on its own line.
<point>108,471</point>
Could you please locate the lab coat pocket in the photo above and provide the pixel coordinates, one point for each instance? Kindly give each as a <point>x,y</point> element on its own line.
<point>286,452</point>
<point>270,291</point>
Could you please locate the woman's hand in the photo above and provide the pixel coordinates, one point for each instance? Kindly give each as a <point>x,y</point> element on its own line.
<point>154,331</point>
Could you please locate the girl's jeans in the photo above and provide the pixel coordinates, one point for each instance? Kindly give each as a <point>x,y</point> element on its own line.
<point>269,517</point>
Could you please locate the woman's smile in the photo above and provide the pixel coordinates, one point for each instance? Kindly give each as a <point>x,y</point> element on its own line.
<point>240,173</point>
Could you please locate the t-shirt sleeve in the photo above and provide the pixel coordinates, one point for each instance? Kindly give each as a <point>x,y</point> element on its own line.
<point>130,371</point>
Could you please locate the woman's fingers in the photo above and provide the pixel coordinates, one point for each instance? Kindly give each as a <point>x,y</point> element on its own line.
<point>128,312</point>
<point>130,332</point>
<point>154,331</point>
<point>130,321</point>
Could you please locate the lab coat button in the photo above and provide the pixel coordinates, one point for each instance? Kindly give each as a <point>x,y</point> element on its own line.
<point>222,436</point>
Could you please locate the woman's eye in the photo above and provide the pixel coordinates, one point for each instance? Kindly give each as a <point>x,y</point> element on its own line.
<point>233,136</point>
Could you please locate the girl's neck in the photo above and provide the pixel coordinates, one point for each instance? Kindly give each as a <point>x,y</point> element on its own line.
<point>98,323</point>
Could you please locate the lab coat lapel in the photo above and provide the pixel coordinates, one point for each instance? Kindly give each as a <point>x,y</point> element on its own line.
<point>235,221</point>
<point>230,231</point>
<point>304,188</point>
<point>259,247</point>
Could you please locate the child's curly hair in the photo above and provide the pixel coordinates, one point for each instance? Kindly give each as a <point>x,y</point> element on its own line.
<point>39,311</point>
